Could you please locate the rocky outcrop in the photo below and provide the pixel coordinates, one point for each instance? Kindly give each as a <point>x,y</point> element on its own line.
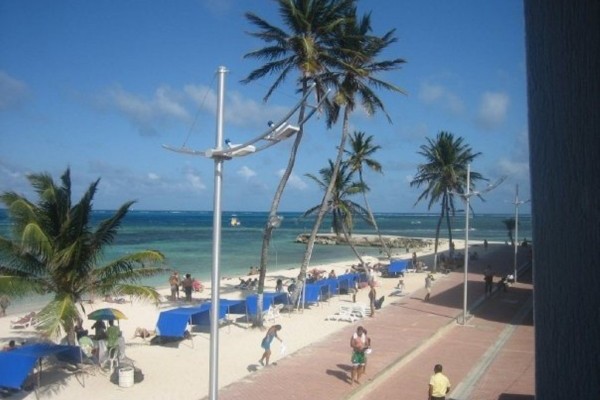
<point>400,242</point>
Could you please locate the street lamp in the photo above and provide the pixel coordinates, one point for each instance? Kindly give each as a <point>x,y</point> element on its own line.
<point>276,133</point>
<point>517,203</point>
<point>467,197</point>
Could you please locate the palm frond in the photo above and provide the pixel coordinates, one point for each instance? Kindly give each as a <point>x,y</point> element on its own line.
<point>57,317</point>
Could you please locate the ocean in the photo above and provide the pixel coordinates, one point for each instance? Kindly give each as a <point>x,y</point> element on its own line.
<point>185,237</point>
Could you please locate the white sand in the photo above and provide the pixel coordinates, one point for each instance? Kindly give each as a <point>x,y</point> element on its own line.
<point>173,371</point>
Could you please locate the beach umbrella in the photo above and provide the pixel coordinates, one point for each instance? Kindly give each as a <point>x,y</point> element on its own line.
<point>106,314</point>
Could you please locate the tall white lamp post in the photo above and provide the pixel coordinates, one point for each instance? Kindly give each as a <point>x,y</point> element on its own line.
<point>276,133</point>
<point>467,197</point>
<point>517,203</point>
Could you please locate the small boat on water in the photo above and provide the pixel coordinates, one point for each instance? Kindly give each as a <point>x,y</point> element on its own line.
<point>235,221</point>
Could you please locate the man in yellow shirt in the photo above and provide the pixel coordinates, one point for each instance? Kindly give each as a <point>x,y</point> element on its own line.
<point>439,384</point>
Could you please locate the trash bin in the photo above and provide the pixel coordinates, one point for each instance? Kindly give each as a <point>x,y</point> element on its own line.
<point>126,377</point>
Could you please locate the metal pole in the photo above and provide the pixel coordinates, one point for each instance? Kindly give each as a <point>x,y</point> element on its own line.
<point>516,231</point>
<point>467,197</point>
<point>215,278</point>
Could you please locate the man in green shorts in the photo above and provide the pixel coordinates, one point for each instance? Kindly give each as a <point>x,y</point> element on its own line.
<point>358,342</point>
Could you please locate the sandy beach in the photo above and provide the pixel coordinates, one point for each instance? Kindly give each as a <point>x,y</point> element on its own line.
<point>181,371</point>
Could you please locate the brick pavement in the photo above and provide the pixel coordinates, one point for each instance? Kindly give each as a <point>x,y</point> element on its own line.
<point>409,337</point>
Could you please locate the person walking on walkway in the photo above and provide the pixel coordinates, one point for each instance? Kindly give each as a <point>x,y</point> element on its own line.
<point>358,342</point>
<point>428,284</point>
<point>439,384</point>
<point>488,277</point>
<point>367,349</point>
<point>266,343</point>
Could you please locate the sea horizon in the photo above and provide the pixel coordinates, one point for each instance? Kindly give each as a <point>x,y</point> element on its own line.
<point>185,238</point>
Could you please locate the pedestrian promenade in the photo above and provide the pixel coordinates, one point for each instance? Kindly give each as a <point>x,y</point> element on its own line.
<point>491,357</point>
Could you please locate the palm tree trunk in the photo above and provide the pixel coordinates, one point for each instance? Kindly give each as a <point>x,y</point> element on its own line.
<point>347,237</point>
<point>324,203</point>
<point>447,205</point>
<point>372,218</point>
<point>437,238</point>
<point>268,232</point>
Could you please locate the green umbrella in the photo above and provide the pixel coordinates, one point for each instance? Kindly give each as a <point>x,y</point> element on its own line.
<point>106,314</point>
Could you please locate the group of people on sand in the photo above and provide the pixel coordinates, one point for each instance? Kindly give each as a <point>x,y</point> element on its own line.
<point>247,284</point>
<point>188,284</point>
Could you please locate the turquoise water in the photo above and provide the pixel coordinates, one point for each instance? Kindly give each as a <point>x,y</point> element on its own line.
<point>185,237</point>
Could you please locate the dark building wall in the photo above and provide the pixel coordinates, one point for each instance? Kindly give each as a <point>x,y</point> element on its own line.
<point>563,74</point>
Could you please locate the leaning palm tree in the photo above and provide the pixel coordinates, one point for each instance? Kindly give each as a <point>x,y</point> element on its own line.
<point>444,174</point>
<point>305,48</point>
<point>54,250</point>
<point>339,205</point>
<point>360,154</point>
<point>357,55</point>
<point>510,227</point>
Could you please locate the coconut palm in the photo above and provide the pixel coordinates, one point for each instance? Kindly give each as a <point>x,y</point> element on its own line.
<point>304,48</point>
<point>510,227</point>
<point>444,174</point>
<point>339,205</point>
<point>55,250</point>
<point>360,155</point>
<point>357,53</point>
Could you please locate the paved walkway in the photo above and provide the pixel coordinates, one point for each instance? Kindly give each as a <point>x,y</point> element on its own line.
<point>489,358</point>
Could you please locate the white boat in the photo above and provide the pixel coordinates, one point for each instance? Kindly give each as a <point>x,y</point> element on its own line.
<point>235,221</point>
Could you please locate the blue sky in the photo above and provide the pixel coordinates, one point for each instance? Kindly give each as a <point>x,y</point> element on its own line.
<point>100,86</point>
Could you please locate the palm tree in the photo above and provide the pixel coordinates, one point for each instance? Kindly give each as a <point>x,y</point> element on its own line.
<point>54,250</point>
<point>510,227</point>
<point>356,54</point>
<point>304,48</point>
<point>360,153</point>
<point>341,208</point>
<point>444,174</point>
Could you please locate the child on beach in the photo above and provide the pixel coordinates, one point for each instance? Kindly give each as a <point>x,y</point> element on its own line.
<point>174,283</point>
<point>4,303</point>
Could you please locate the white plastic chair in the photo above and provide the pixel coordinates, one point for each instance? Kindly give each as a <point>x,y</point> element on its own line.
<point>113,358</point>
<point>344,314</point>
<point>359,310</point>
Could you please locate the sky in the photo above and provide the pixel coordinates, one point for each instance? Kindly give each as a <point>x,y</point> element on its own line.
<point>99,87</point>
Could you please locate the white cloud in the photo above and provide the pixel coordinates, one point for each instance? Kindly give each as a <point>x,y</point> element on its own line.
<point>430,93</point>
<point>166,105</point>
<point>294,181</point>
<point>239,110</point>
<point>147,114</point>
<point>153,177</point>
<point>194,179</point>
<point>246,172</point>
<point>514,168</point>
<point>438,95</point>
<point>493,109</point>
<point>12,91</point>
